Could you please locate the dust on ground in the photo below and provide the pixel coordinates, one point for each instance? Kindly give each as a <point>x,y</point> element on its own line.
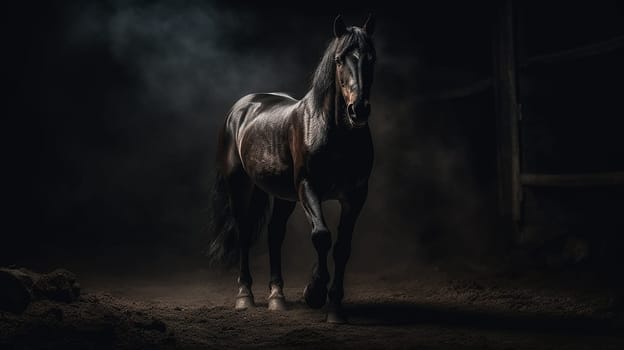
<point>436,311</point>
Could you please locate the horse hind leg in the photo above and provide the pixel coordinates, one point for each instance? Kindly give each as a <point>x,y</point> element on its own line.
<point>245,208</point>
<point>276,231</point>
<point>251,225</point>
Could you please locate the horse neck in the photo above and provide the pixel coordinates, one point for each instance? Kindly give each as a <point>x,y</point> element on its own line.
<point>331,108</point>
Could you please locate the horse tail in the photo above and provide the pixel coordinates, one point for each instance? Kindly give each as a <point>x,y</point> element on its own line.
<point>223,246</point>
<point>226,230</point>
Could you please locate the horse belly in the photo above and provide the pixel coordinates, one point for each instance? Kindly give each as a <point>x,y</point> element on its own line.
<point>278,185</point>
<point>270,169</point>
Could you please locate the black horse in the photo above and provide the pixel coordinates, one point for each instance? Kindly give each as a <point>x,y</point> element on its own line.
<point>274,150</point>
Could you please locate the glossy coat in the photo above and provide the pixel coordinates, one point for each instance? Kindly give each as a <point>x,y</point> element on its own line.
<point>274,150</point>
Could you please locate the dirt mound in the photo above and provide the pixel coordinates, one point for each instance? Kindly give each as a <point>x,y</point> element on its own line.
<point>18,287</point>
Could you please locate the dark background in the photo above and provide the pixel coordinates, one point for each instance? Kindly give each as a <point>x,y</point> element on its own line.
<point>113,109</point>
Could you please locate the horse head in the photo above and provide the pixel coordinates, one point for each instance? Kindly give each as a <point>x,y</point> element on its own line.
<point>355,62</point>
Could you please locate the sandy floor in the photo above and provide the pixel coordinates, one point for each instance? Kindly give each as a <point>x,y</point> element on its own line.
<point>437,311</point>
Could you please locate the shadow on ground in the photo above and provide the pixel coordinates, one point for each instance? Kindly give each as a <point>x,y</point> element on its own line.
<point>392,313</point>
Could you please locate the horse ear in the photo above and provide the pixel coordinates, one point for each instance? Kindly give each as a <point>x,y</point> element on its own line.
<point>340,27</point>
<point>369,25</point>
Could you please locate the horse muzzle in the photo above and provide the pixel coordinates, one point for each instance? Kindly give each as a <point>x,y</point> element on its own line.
<point>358,113</point>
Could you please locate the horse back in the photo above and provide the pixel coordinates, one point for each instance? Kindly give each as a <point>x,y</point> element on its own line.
<point>251,106</point>
<point>256,136</point>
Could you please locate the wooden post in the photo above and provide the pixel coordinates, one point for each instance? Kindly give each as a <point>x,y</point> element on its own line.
<point>508,115</point>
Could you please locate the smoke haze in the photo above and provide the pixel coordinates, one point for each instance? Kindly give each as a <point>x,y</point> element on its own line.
<point>131,94</point>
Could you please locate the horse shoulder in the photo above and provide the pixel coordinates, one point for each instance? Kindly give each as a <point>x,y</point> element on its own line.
<point>313,129</point>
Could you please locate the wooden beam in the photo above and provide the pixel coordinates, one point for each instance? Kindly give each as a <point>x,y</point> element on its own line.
<point>573,180</point>
<point>602,47</point>
<point>475,88</point>
<point>482,85</point>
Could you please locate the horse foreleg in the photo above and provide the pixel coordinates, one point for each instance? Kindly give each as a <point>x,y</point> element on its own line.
<point>351,206</point>
<point>315,293</point>
<point>276,230</point>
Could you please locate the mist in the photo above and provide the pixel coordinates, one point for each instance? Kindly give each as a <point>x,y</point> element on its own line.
<point>132,95</point>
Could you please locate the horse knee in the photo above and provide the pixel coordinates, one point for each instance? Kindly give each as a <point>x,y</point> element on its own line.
<point>321,239</point>
<point>342,251</point>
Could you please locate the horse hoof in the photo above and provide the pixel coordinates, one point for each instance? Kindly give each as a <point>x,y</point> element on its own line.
<point>315,297</point>
<point>244,303</point>
<point>335,318</point>
<point>277,304</point>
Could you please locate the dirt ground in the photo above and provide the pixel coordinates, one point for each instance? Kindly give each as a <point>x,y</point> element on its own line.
<point>437,311</point>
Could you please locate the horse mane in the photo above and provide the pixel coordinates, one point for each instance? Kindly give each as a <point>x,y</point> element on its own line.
<point>324,76</point>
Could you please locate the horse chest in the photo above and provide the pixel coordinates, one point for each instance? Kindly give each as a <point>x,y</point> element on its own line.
<point>338,171</point>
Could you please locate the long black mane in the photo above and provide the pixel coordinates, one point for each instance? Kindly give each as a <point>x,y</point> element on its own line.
<point>323,79</point>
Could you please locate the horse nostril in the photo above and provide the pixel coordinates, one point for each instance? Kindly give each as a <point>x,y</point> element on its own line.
<point>351,110</point>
